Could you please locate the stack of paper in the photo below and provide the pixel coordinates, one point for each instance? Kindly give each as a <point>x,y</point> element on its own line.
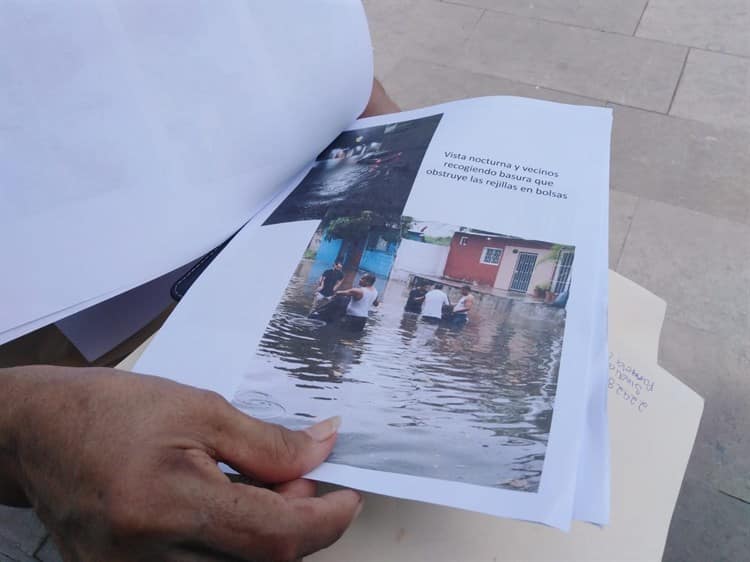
<point>438,279</point>
<point>135,137</point>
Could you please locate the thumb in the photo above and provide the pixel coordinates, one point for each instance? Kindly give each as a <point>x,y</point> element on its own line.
<point>269,452</point>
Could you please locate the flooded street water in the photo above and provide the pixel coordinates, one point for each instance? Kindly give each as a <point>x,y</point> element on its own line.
<point>471,404</point>
<point>331,181</point>
<point>345,184</point>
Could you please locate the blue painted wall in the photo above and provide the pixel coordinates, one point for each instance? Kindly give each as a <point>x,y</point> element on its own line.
<point>377,262</point>
<point>327,251</point>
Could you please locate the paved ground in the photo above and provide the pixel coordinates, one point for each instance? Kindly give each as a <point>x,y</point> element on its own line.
<point>677,73</point>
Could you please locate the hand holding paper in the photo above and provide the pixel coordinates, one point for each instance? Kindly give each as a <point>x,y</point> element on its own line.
<point>141,454</point>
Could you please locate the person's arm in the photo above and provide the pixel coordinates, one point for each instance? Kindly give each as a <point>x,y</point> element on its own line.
<point>380,102</point>
<point>354,292</point>
<point>125,467</point>
<point>11,489</point>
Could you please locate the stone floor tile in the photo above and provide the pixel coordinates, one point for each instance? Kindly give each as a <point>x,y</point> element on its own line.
<point>707,525</point>
<point>715,366</point>
<point>682,162</point>
<point>698,263</point>
<point>707,24</point>
<point>715,88</point>
<point>622,207</point>
<point>617,16</point>
<point>620,69</point>
<point>20,531</point>
<point>415,83</point>
<point>734,483</point>
<point>424,29</point>
<point>384,60</point>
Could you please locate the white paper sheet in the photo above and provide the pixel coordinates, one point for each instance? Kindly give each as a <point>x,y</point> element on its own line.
<point>572,140</point>
<point>592,502</point>
<point>136,136</point>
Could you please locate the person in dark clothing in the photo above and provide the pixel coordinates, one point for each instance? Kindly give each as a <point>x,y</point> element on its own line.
<point>415,299</point>
<point>329,282</point>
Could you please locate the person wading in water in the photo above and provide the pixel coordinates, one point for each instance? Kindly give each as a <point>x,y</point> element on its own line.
<point>362,298</point>
<point>461,310</point>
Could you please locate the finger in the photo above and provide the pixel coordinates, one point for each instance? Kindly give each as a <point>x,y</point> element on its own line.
<point>269,452</point>
<point>252,523</point>
<point>325,518</point>
<point>300,488</point>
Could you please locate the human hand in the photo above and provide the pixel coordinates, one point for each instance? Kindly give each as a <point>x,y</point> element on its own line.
<point>380,102</point>
<point>124,467</point>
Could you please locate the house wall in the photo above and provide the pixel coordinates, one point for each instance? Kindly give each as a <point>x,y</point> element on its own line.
<point>542,271</point>
<point>328,250</point>
<point>376,262</point>
<point>464,263</point>
<point>419,258</point>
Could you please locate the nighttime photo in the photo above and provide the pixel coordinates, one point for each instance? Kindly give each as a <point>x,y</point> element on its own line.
<point>370,168</point>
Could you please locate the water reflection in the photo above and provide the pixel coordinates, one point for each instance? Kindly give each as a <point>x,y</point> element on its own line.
<point>471,404</point>
<point>371,168</point>
<point>335,185</point>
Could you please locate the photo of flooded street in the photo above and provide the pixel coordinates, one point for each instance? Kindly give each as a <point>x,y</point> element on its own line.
<point>468,401</point>
<point>438,345</point>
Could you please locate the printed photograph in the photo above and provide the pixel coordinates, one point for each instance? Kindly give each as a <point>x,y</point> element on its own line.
<point>439,346</point>
<point>370,168</point>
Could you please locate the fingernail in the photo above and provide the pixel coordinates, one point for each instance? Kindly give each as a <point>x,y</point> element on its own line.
<point>322,431</point>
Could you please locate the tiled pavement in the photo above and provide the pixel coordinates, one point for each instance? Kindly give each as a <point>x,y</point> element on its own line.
<point>677,73</point>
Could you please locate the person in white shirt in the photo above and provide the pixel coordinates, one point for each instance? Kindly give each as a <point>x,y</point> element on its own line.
<point>362,299</point>
<point>434,300</point>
